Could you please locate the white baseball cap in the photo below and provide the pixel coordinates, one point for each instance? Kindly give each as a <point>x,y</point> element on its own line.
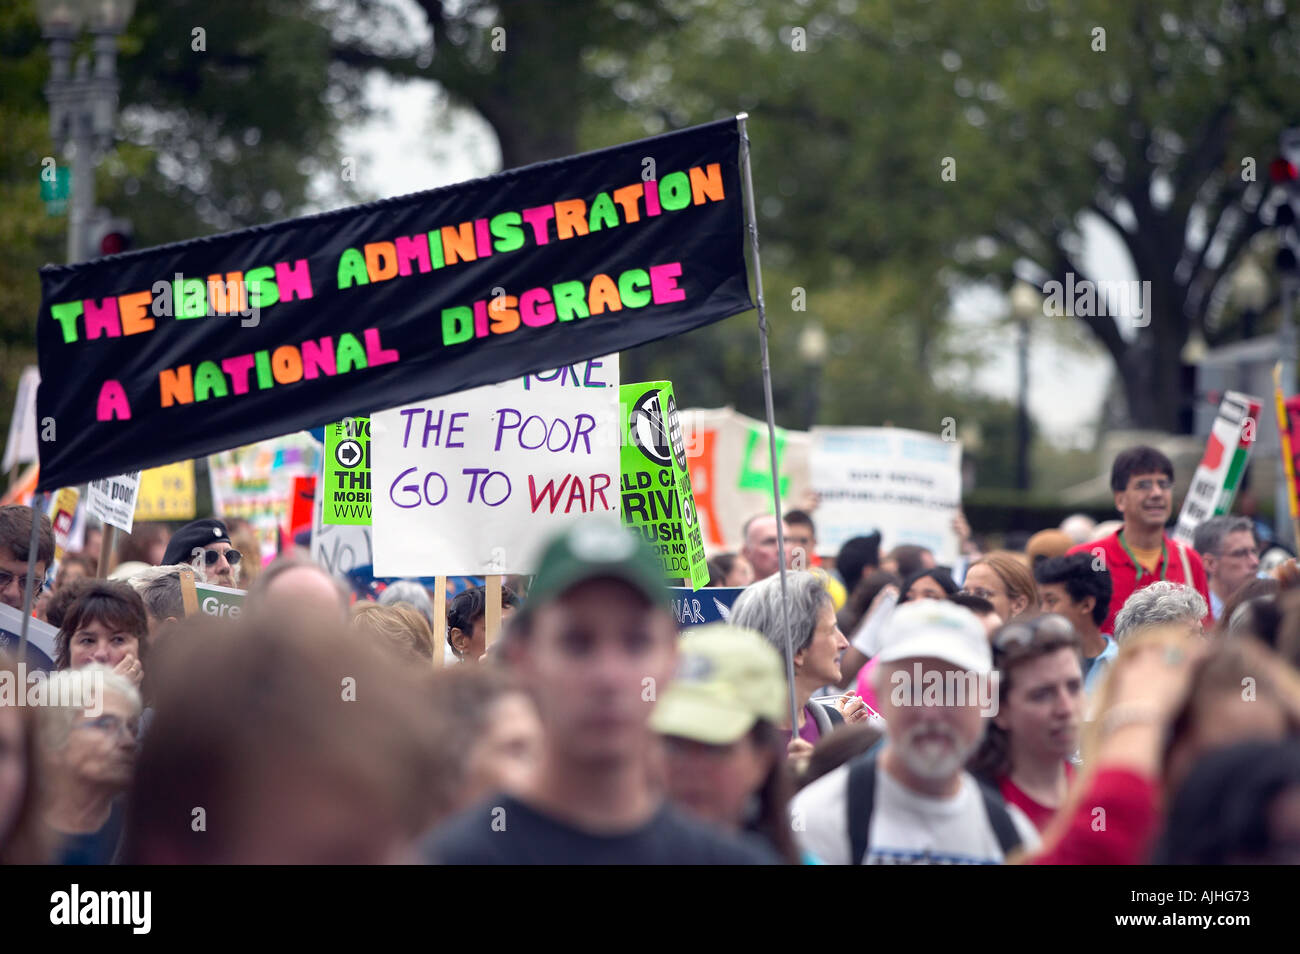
<point>937,629</point>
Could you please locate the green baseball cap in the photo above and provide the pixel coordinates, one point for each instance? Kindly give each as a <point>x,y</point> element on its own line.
<point>727,679</point>
<point>597,549</point>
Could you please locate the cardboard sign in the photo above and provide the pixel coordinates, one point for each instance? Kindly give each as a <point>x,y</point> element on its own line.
<point>165,353</point>
<point>220,601</point>
<point>656,486</point>
<point>167,493</point>
<point>62,510</point>
<point>476,483</point>
<point>731,470</point>
<point>21,447</point>
<point>347,472</point>
<point>1218,475</point>
<point>113,499</point>
<point>906,484</point>
<point>699,607</point>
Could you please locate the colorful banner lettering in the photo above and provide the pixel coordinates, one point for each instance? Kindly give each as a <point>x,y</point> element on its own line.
<point>191,348</point>
<point>347,472</point>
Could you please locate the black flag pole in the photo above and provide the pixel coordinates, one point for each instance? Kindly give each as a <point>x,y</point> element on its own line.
<point>31,577</point>
<point>771,419</point>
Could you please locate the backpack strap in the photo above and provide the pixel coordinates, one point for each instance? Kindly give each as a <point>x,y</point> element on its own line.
<point>861,798</point>
<point>996,809</point>
<point>1187,567</point>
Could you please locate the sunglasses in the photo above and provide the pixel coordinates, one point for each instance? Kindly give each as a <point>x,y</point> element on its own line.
<point>1014,636</point>
<point>233,556</point>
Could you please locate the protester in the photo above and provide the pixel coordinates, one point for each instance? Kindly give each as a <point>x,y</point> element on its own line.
<point>863,597</point>
<point>1230,555</point>
<point>908,560</point>
<point>73,566</point>
<point>205,545</point>
<point>106,626</point>
<point>146,543</point>
<point>1047,544</point>
<point>817,644</point>
<point>15,540</point>
<point>23,836</point>
<point>397,629</point>
<point>1161,603</point>
<point>411,593</point>
<point>841,747</point>
<point>1239,806</point>
<point>467,621</point>
<point>858,558</point>
<point>730,569</point>
<point>1004,581</point>
<point>161,591</point>
<point>912,802</point>
<point>1140,552</point>
<point>1255,608</point>
<point>760,545</point>
<point>1026,751</point>
<point>1078,589</point>
<point>90,751</point>
<point>243,536</point>
<point>984,611</point>
<point>56,606</point>
<point>1079,527</point>
<point>932,584</point>
<point>492,735</point>
<point>594,645</point>
<point>281,739</point>
<point>93,541</point>
<point>718,718</point>
<point>296,586</point>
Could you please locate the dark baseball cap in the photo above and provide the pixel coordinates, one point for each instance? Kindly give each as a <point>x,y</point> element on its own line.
<point>195,534</point>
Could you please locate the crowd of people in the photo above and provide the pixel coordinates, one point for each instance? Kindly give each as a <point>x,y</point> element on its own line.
<point>1105,695</point>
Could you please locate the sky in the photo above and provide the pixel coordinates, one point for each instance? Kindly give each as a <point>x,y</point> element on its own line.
<point>400,150</point>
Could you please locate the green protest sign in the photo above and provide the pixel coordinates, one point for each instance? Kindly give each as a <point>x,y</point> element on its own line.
<point>656,486</point>
<point>347,472</point>
<point>216,600</point>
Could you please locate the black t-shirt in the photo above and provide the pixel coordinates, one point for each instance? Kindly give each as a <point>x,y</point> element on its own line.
<point>94,847</point>
<point>505,831</point>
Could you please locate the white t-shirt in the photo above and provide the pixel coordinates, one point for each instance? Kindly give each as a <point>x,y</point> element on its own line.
<point>906,828</point>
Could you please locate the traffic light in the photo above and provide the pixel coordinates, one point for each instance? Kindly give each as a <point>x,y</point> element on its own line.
<point>1284,171</point>
<point>109,235</point>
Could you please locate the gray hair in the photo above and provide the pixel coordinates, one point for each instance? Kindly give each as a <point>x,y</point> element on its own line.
<point>160,588</point>
<point>413,595</point>
<point>70,692</point>
<point>1210,535</point>
<point>759,608</point>
<point>1162,602</point>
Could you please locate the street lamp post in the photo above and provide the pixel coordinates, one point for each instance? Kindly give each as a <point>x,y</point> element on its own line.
<point>1026,303</point>
<point>813,348</point>
<point>83,104</point>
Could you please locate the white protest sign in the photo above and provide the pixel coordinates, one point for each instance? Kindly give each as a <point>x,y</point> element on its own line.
<point>475,482</point>
<point>339,548</point>
<point>112,499</point>
<point>22,426</point>
<point>906,484</point>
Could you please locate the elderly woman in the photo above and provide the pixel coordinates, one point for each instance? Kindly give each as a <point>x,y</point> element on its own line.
<point>816,645</point>
<point>107,625</point>
<point>23,840</point>
<point>89,732</point>
<point>1161,602</point>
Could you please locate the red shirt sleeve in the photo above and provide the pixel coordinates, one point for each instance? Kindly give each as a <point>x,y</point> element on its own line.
<point>1113,824</point>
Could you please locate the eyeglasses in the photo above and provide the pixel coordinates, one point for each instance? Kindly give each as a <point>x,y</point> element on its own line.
<point>981,592</point>
<point>6,578</point>
<point>112,725</point>
<point>233,556</point>
<point>1164,483</point>
<point>1242,553</point>
<point>1016,636</point>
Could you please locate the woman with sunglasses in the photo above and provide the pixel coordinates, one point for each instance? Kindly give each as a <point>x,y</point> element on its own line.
<point>1026,750</point>
<point>89,733</point>
<point>205,545</point>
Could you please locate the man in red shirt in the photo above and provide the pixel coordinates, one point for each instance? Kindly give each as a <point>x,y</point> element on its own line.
<point>1140,553</point>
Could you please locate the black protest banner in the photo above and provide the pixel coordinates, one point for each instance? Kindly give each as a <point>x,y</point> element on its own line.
<point>187,349</point>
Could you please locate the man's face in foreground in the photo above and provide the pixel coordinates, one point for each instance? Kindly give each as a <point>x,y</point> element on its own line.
<point>596,659</point>
<point>14,572</point>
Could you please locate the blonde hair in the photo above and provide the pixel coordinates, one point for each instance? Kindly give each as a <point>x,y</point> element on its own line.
<point>397,627</point>
<point>1015,576</point>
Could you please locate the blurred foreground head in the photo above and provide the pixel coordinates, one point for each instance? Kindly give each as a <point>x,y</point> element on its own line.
<point>297,588</point>
<point>594,644</point>
<point>281,741</point>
